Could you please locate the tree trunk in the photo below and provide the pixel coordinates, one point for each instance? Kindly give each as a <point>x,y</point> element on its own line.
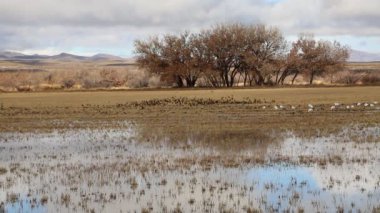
<point>294,78</point>
<point>260,79</point>
<point>245,78</point>
<point>224,79</point>
<point>227,82</point>
<point>190,82</point>
<point>277,74</point>
<point>283,76</point>
<point>179,81</point>
<point>311,77</point>
<point>232,78</point>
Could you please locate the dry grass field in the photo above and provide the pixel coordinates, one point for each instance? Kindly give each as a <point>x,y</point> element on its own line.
<point>243,111</point>
<point>322,95</point>
<point>371,66</point>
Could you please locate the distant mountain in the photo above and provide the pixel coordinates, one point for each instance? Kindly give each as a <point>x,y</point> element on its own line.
<point>102,56</point>
<point>31,57</point>
<point>7,55</point>
<point>361,56</point>
<point>68,57</point>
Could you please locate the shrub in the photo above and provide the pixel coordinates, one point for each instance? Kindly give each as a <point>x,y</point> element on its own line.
<point>23,88</point>
<point>154,81</point>
<point>348,77</point>
<point>118,83</point>
<point>105,83</point>
<point>372,78</point>
<point>137,78</point>
<point>68,83</point>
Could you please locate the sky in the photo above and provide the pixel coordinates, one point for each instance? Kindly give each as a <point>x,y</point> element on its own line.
<point>87,27</point>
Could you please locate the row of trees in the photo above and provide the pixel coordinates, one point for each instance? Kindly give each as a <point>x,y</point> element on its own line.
<point>234,54</point>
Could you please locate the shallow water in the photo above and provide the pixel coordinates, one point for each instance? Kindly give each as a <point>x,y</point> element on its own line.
<point>109,170</point>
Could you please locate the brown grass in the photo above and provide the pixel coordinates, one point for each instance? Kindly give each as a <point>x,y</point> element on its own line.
<point>177,116</point>
<point>3,170</point>
<point>327,95</point>
<point>364,66</point>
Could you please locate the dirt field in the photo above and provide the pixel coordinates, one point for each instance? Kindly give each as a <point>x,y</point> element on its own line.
<point>246,150</point>
<point>326,95</point>
<point>19,110</point>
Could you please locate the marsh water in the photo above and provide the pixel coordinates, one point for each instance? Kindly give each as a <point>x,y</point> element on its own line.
<point>113,170</point>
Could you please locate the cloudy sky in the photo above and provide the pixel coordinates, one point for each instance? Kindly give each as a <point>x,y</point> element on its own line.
<point>92,26</point>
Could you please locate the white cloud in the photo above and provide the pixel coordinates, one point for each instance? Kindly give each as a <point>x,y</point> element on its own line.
<point>112,25</point>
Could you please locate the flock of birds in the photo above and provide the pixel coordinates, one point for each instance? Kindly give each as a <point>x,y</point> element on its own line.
<point>335,106</point>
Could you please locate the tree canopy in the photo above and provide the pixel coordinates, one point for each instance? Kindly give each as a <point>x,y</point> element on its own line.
<point>235,54</point>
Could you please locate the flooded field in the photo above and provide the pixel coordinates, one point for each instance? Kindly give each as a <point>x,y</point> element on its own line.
<point>113,169</point>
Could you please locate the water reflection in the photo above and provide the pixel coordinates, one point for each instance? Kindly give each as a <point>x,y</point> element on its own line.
<point>315,188</point>
<point>25,205</point>
<point>109,170</point>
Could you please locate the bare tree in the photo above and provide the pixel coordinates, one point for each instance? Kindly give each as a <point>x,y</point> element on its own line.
<point>225,44</point>
<point>150,57</point>
<point>172,57</point>
<point>318,57</point>
<point>265,47</point>
<point>289,65</point>
<point>201,59</point>
<point>182,54</point>
<point>227,53</point>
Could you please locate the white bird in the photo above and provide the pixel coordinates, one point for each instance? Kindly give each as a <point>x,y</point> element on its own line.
<point>347,107</point>
<point>293,107</point>
<point>375,102</point>
<point>359,104</point>
<point>372,105</point>
<point>310,106</point>
<point>281,107</point>
<point>310,110</point>
<point>366,104</point>
<point>336,104</point>
<point>332,107</point>
<point>275,107</point>
<point>352,106</point>
<point>264,107</point>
